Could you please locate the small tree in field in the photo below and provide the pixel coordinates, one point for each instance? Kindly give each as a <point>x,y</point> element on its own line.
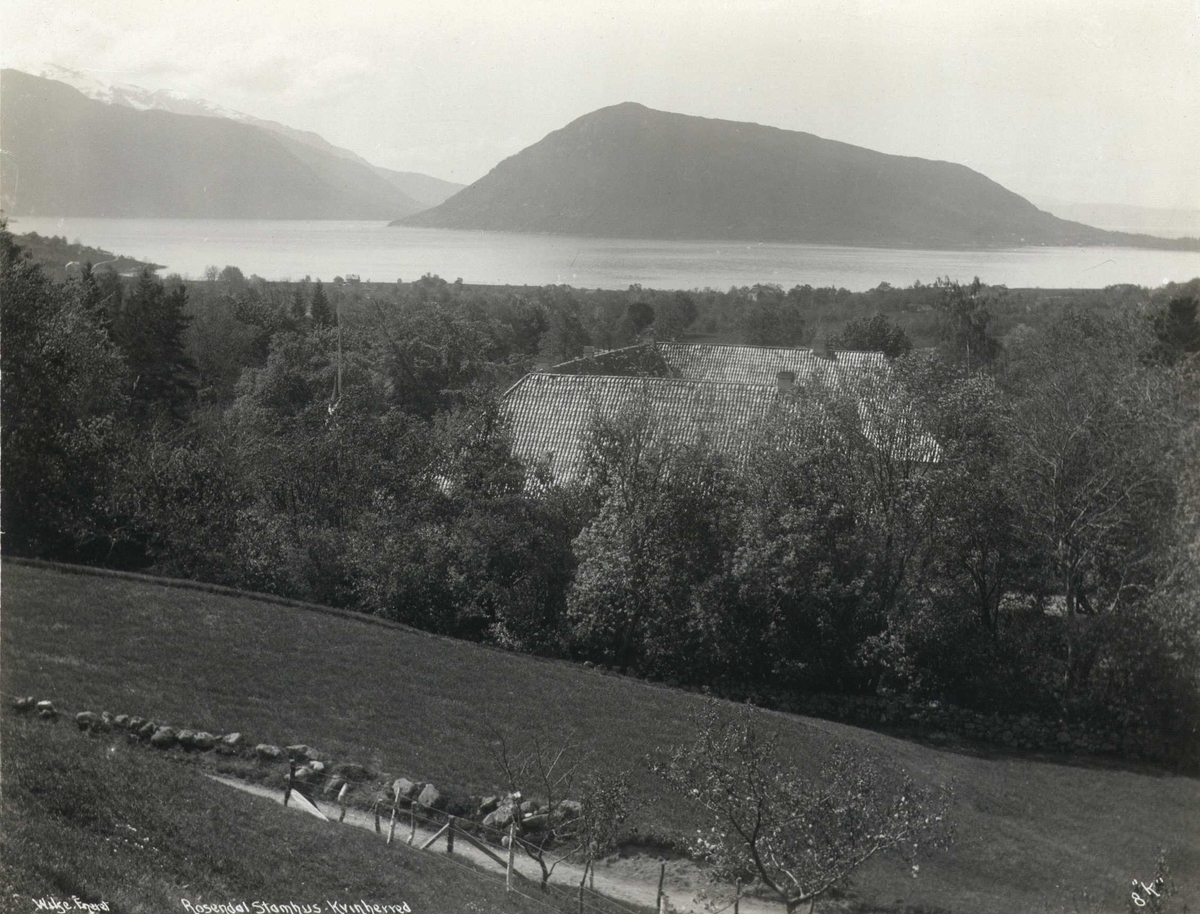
<point>576,812</point>
<point>543,769</point>
<point>798,834</point>
<point>603,805</point>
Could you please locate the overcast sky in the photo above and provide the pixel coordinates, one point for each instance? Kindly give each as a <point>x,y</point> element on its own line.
<point>1091,101</point>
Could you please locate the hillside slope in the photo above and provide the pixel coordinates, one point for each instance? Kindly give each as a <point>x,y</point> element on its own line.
<point>630,171</point>
<point>1030,831</point>
<point>424,189</point>
<point>68,155</point>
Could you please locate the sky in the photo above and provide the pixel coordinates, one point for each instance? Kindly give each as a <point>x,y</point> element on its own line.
<point>1059,100</point>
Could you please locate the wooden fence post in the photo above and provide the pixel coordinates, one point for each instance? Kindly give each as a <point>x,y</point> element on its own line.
<point>412,821</point>
<point>662,872</point>
<point>287,793</point>
<point>737,899</point>
<point>342,802</point>
<point>512,847</point>
<point>392,823</point>
<point>450,836</point>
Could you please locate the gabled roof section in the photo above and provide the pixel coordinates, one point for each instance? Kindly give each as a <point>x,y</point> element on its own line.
<point>762,364</point>
<point>552,414</point>
<point>642,360</point>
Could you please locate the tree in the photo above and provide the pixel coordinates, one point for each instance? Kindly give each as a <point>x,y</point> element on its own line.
<point>661,530</point>
<point>62,399</point>
<point>234,277</point>
<point>1177,328</point>
<point>773,319</point>
<point>602,809</point>
<point>801,834</point>
<point>674,315</point>
<point>320,310</point>
<point>299,307</point>
<point>150,332</point>
<point>837,532</point>
<point>641,315</point>
<point>873,334</point>
<point>564,336</point>
<point>1091,433</point>
<point>964,323</point>
<point>539,779</point>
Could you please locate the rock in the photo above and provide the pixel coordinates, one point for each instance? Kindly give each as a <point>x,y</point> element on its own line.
<point>335,784</point>
<point>429,796</point>
<point>351,771</point>
<point>135,724</point>
<point>232,741</point>
<point>47,710</point>
<point>530,806</point>
<point>164,738</point>
<point>122,721</point>
<point>317,767</point>
<point>404,789</point>
<point>267,752</point>
<point>86,720</point>
<point>487,805</point>
<point>107,718</point>
<point>499,818</point>
<point>303,773</point>
<point>300,752</point>
<point>24,705</point>
<point>146,730</point>
<point>569,809</point>
<point>187,738</point>
<point>534,823</point>
<point>203,741</point>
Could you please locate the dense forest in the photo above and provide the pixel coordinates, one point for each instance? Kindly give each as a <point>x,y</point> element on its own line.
<point>1047,562</point>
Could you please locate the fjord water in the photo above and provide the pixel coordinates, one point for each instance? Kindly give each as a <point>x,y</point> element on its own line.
<point>279,249</point>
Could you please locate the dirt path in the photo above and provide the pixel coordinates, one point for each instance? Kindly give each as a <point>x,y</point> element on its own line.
<point>624,879</point>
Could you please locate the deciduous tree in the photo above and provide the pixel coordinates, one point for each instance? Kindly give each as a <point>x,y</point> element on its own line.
<point>799,833</point>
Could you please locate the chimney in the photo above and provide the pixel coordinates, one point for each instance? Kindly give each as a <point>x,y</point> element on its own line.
<point>826,351</point>
<point>786,380</point>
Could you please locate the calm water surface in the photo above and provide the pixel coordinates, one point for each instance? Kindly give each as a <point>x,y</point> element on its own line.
<point>324,249</point>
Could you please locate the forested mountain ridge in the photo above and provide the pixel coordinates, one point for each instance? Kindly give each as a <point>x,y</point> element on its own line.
<point>631,171</point>
<point>69,155</point>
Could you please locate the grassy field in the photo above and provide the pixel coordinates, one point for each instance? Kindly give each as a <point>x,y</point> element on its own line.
<point>109,823</point>
<point>1032,833</point>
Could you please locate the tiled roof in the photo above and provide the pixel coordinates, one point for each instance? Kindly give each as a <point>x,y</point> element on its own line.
<point>639,361</point>
<point>551,414</point>
<point>723,395</point>
<point>762,364</point>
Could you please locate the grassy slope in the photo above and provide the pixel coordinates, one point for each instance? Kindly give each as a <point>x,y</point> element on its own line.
<point>402,702</point>
<point>98,819</point>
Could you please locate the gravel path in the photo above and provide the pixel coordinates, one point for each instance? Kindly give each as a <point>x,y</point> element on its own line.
<point>612,879</point>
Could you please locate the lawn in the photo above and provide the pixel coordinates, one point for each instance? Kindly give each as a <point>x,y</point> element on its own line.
<point>1032,832</point>
<point>113,824</point>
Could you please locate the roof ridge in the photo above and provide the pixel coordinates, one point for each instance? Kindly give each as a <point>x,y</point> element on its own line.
<point>581,378</point>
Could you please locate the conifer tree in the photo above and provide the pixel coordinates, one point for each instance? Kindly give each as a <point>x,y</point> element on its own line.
<point>322,312</point>
<point>150,332</point>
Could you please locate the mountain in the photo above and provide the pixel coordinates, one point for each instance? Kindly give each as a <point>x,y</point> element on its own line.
<point>422,188</point>
<point>1166,222</point>
<point>130,154</point>
<point>633,172</point>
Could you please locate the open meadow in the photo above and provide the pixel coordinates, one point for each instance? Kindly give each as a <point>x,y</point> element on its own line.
<point>1033,834</point>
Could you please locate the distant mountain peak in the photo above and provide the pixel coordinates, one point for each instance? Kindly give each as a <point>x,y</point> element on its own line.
<point>631,171</point>
<point>326,181</point>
